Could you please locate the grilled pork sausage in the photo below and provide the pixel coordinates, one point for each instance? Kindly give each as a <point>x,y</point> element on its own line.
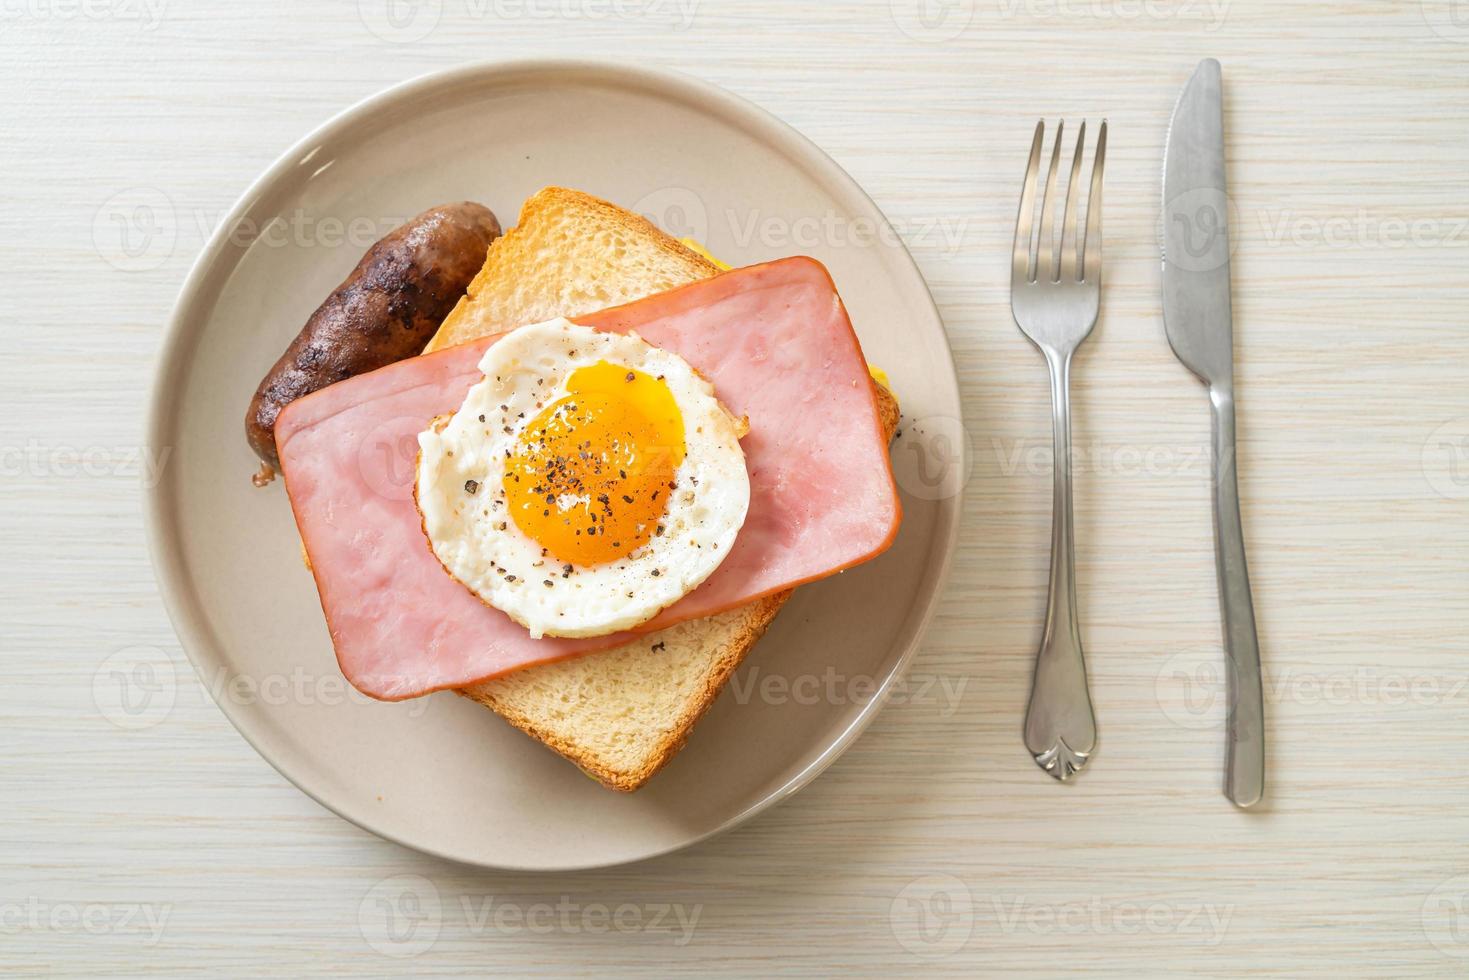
<point>386,310</point>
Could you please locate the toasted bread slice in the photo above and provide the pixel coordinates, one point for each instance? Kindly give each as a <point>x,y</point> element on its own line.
<point>619,714</point>
<point>570,254</point>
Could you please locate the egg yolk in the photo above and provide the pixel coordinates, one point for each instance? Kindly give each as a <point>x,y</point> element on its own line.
<point>590,476</point>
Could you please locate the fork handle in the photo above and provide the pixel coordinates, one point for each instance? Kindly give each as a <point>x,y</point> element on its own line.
<point>1060,729</point>
<point>1244,767</point>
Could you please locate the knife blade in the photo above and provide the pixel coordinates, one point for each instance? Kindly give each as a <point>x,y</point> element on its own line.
<point>1198,319</point>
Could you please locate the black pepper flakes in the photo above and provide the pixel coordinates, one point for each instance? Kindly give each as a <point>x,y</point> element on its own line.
<point>471,486</point>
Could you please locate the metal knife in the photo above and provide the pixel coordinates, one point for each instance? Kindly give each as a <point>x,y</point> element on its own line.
<point>1199,324</point>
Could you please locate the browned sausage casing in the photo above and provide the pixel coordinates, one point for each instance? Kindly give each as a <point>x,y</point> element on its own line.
<point>386,310</point>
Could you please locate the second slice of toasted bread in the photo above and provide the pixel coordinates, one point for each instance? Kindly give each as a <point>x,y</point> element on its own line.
<point>619,714</point>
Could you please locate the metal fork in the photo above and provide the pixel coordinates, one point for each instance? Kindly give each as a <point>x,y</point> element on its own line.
<point>1055,292</point>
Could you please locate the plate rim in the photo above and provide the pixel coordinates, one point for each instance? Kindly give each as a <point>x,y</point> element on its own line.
<point>169,572</point>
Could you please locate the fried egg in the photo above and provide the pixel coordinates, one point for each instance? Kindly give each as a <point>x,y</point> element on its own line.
<point>587,482</point>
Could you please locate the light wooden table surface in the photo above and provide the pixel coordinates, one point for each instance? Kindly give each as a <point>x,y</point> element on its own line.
<point>162,843</point>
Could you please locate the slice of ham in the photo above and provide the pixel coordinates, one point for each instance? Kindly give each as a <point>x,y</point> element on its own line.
<point>775,342</point>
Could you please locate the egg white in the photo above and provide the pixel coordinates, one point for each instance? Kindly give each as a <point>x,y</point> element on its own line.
<point>479,544</point>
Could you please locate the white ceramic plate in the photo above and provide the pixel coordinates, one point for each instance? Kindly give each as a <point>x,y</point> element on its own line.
<point>442,774</point>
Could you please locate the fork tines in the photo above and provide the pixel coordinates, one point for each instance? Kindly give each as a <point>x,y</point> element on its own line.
<point>1039,256</point>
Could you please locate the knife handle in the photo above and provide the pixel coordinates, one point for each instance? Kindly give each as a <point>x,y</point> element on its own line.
<point>1244,773</point>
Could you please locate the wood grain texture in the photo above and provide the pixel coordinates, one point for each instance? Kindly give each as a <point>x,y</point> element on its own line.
<point>169,847</point>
